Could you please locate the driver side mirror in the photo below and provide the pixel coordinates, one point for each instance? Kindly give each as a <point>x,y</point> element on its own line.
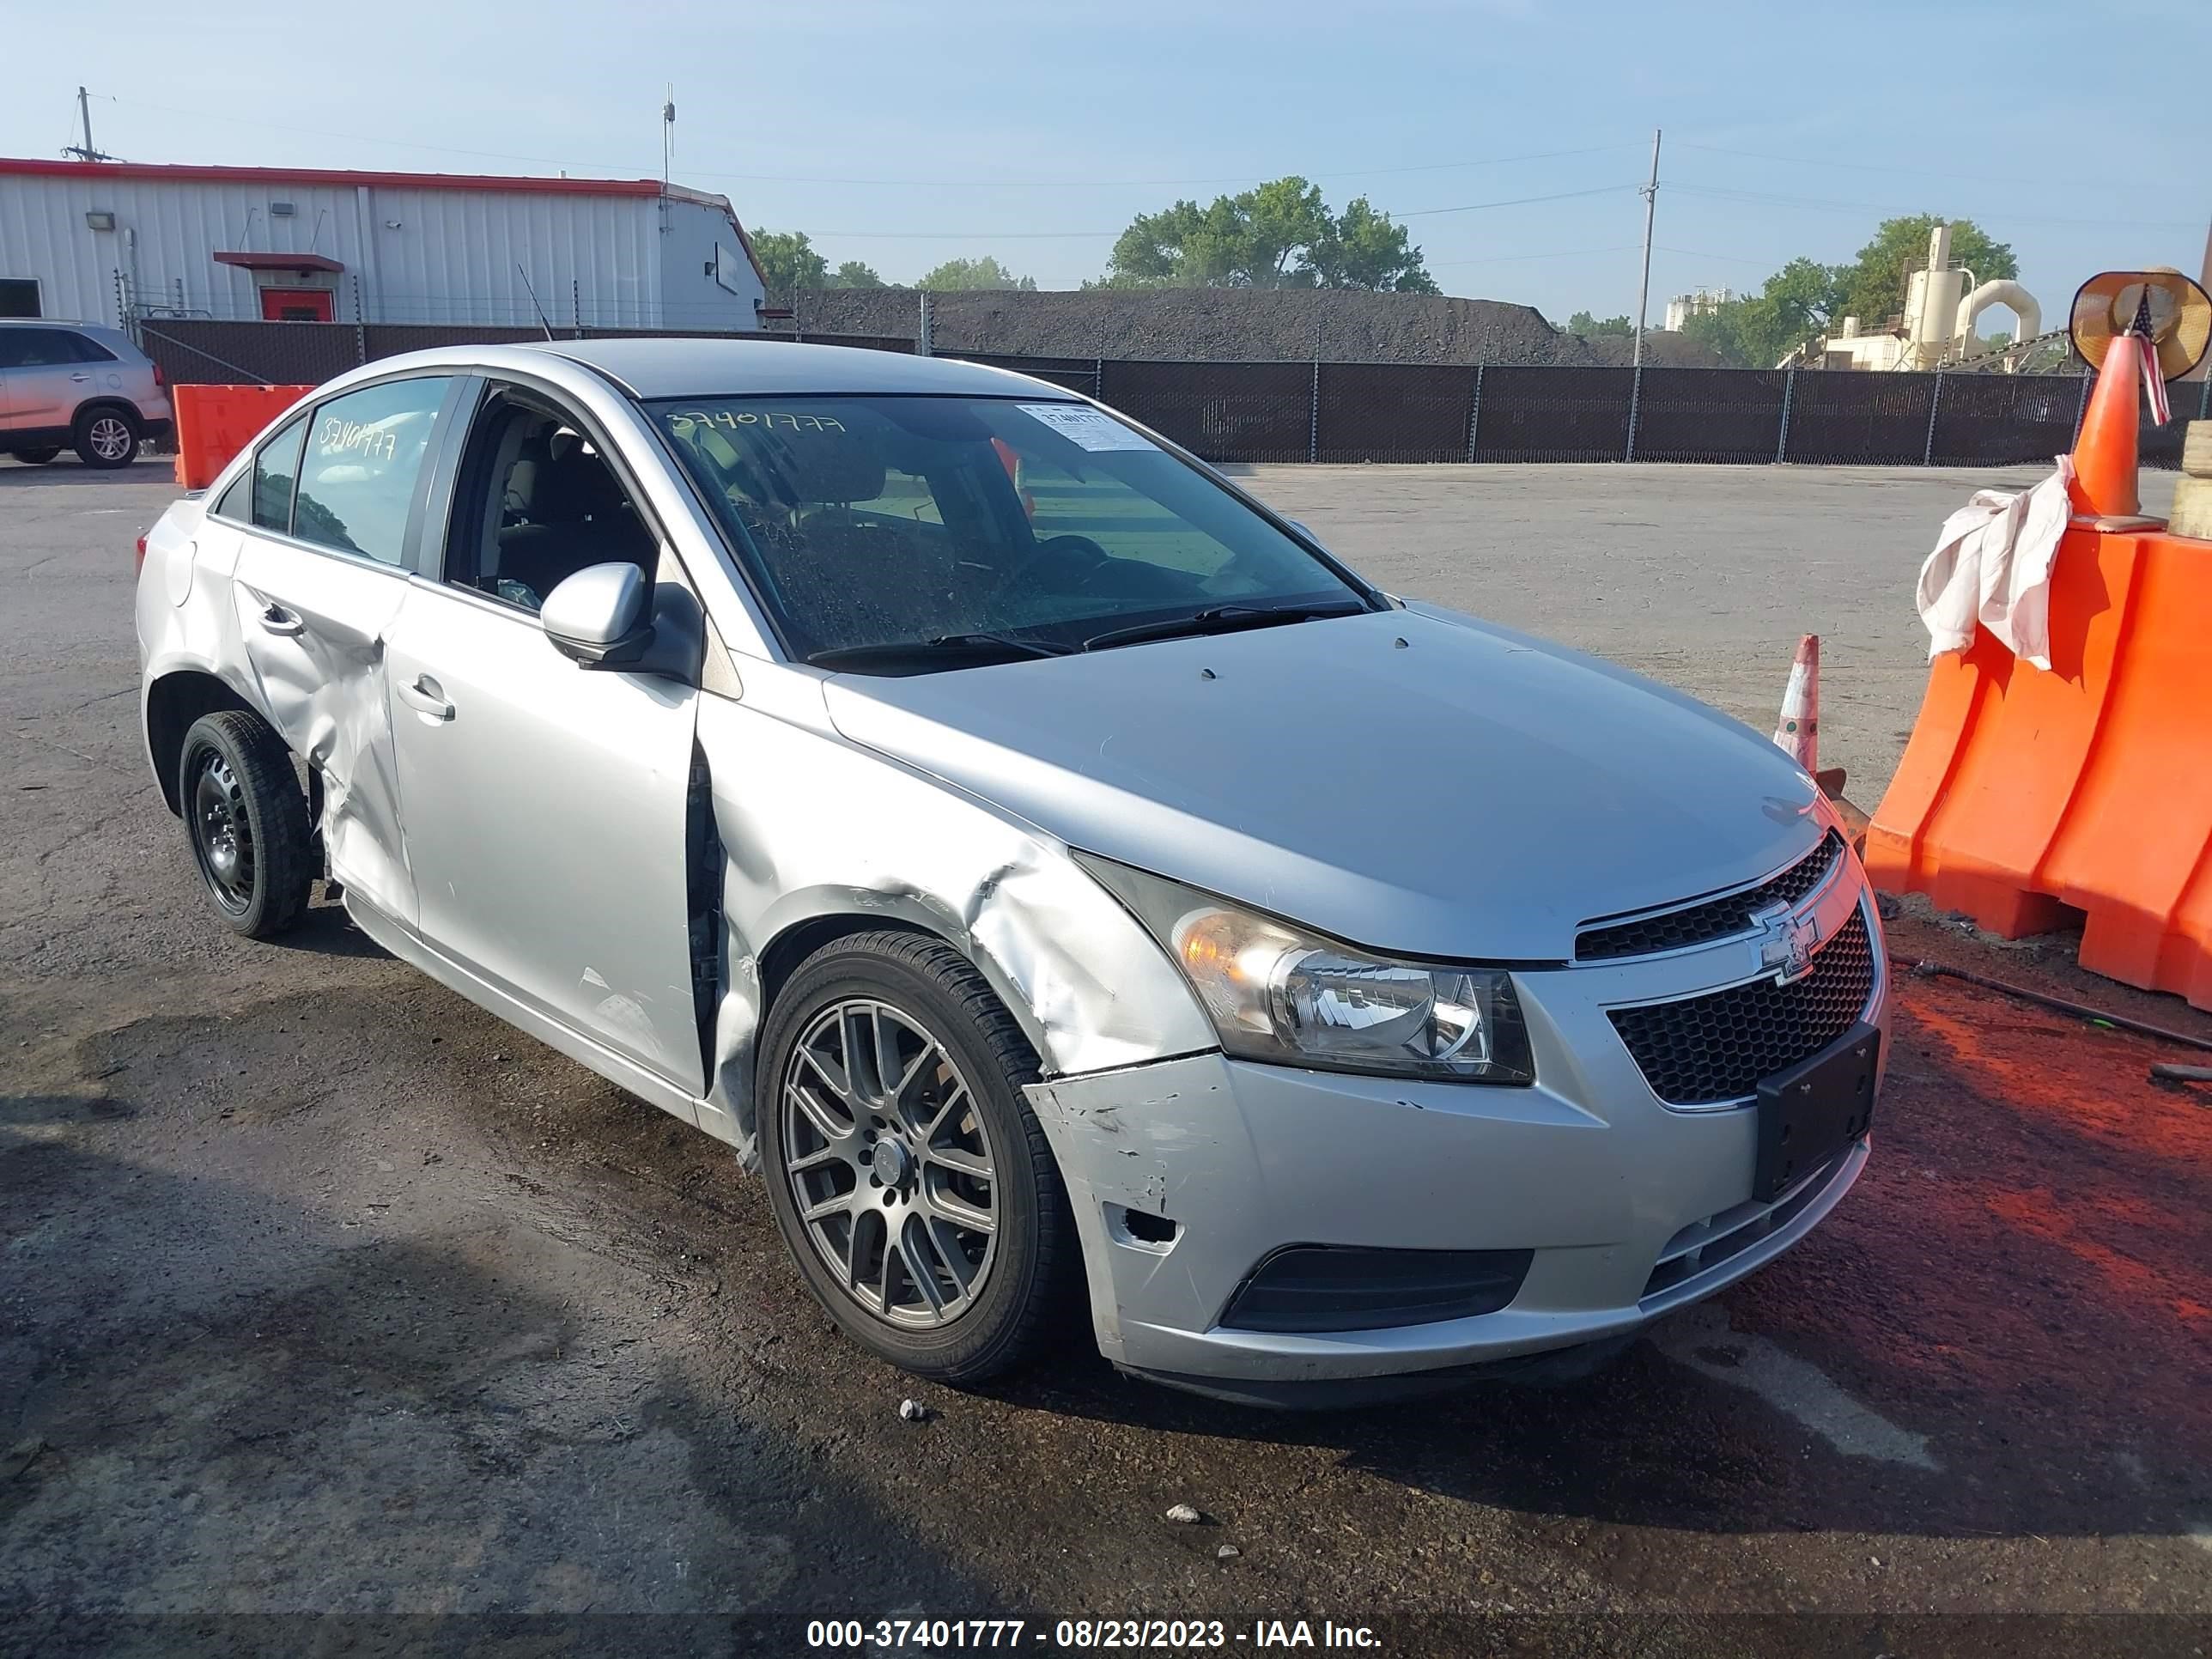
<point>609,615</point>
<point>601,617</point>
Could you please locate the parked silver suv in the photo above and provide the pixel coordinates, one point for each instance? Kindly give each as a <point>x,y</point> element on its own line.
<point>1057,874</point>
<point>77,385</point>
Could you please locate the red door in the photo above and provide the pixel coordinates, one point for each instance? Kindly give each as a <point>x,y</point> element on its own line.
<point>297,304</point>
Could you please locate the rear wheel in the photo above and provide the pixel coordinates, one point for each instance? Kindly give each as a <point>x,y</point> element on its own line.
<point>38,457</point>
<point>247,821</point>
<point>105,438</point>
<point>907,1177</point>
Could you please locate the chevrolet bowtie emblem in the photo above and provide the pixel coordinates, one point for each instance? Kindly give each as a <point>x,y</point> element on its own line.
<point>1786,942</point>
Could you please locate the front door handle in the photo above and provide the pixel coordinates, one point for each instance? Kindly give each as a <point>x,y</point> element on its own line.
<point>278,620</point>
<point>427,697</point>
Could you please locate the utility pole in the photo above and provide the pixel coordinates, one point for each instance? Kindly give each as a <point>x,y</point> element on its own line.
<point>1650,194</point>
<point>85,152</point>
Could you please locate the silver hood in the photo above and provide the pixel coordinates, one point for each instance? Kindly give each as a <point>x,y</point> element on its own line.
<point>1413,781</point>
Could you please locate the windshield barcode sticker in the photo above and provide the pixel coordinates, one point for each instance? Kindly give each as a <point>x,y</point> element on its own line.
<point>1086,427</point>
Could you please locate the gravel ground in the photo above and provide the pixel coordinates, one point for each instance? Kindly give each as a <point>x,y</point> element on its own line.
<point>336,1317</point>
<point>1230,325</point>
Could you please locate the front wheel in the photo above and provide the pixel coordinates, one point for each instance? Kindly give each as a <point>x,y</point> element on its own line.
<point>906,1175</point>
<point>38,457</point>
<point>106,438</point>
<point>247,820</point>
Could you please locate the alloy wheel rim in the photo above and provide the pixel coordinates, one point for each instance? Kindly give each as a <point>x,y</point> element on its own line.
<point>110,438</point>
<point>891,1169</point>
<point>222,834</point>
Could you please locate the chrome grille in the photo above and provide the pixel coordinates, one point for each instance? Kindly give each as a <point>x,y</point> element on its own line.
<point>1711,918</point>
<point>1717,1047</point>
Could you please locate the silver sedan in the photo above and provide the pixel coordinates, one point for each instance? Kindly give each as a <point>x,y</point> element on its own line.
<point>1056,874</point>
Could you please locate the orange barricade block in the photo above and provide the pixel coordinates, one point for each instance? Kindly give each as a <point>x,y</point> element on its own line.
<point>214,423</point>
<point>2089,786</point>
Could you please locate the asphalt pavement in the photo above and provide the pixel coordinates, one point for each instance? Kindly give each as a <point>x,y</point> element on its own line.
<point>336,1316</point>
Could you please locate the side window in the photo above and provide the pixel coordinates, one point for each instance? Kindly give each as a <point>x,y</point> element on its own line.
<point>89,350</point>
<point>40,348</point>
<point>365,453</point>
<point>275,464</point>
<point>232,503</point>
<point>537,502</point>
<point>13,342</point>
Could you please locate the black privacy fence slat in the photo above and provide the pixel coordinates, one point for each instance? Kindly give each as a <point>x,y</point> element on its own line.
<point>1394,412</point>
<point>1411,412</point>
<point>1870,418</point>
<point>1075,374</point>
<point>1710,415</point>
<point>1222,412</point>
<point>1998,420</point>
<point>1552,413</point>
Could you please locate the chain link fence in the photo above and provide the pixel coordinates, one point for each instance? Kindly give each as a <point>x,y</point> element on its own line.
<point>1400,412</point>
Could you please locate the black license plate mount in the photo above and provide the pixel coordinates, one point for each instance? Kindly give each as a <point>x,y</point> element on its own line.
<point>1812,1111</point>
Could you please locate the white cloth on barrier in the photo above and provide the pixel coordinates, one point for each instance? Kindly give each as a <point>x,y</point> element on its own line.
<point>1993,566</point>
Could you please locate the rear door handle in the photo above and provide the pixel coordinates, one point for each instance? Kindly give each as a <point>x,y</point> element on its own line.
<point>80,376</point>
<point>426,694</point>
<point>278,620</point>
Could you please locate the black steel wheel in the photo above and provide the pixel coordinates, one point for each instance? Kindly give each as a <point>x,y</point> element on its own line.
<point>247,820</point>
<point>907,1177</point>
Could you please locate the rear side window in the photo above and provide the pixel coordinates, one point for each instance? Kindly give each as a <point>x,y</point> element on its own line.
<point>232,503</point>
<point>88,350</point>
<point>275,464</point>
<point>365,455</point>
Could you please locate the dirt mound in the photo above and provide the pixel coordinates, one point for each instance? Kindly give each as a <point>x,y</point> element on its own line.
<point>1222,325</point>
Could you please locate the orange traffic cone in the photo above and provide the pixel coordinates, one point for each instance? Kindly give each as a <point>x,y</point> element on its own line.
<point>1799,728</point>
<point>2105,455</point>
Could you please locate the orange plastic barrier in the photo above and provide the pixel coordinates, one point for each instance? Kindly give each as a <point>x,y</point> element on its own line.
<point>2090,785</point>
<point>214,423</point>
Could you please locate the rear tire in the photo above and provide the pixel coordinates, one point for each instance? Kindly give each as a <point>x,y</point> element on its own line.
<point>38,457</point>
<point>105,437</point>
<point>892,1245</point>
<point>246,821</point>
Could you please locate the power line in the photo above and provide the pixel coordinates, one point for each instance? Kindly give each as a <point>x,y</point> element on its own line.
<point>895,183</point>
<point>2045,183</point>
<point>1517,258</point>
<point>1071,235</point>
<point>1817,205</point>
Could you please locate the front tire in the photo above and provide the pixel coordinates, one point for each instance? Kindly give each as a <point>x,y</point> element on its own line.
<point>105,438</point>
<point>247,820</point>
<point>38,457</point>
<point>907,1177</point>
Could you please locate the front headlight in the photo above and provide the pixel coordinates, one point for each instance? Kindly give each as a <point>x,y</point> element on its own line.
<point>1276,993</point>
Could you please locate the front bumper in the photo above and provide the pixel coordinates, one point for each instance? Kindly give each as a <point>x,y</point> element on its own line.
<point>1631,1208</point>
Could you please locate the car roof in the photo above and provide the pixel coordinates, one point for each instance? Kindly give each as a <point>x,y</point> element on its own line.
<point>690,367</point>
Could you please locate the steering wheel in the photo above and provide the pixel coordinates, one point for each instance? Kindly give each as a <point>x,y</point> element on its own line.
<point>1057,551</point>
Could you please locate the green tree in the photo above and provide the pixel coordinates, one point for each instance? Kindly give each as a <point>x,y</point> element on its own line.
<point>1872,287</point>
<point>853,274</point>
<point>1585,325</point>
<point>984,273</point>
<point>1278,234</point>
<point>1367,249</point>
<point>788,262</point>
<point>1757,331</point>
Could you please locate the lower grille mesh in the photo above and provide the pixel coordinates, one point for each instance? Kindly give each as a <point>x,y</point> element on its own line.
<point>1717,1047</point>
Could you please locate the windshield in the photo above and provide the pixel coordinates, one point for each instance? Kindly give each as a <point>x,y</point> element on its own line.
<point>877,522</point>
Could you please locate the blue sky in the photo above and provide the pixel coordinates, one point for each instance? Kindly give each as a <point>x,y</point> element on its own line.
<point>901,133</point>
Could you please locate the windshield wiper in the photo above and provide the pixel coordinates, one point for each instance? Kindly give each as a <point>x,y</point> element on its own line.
<point>980,645</point>
<point>1220,619</point>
